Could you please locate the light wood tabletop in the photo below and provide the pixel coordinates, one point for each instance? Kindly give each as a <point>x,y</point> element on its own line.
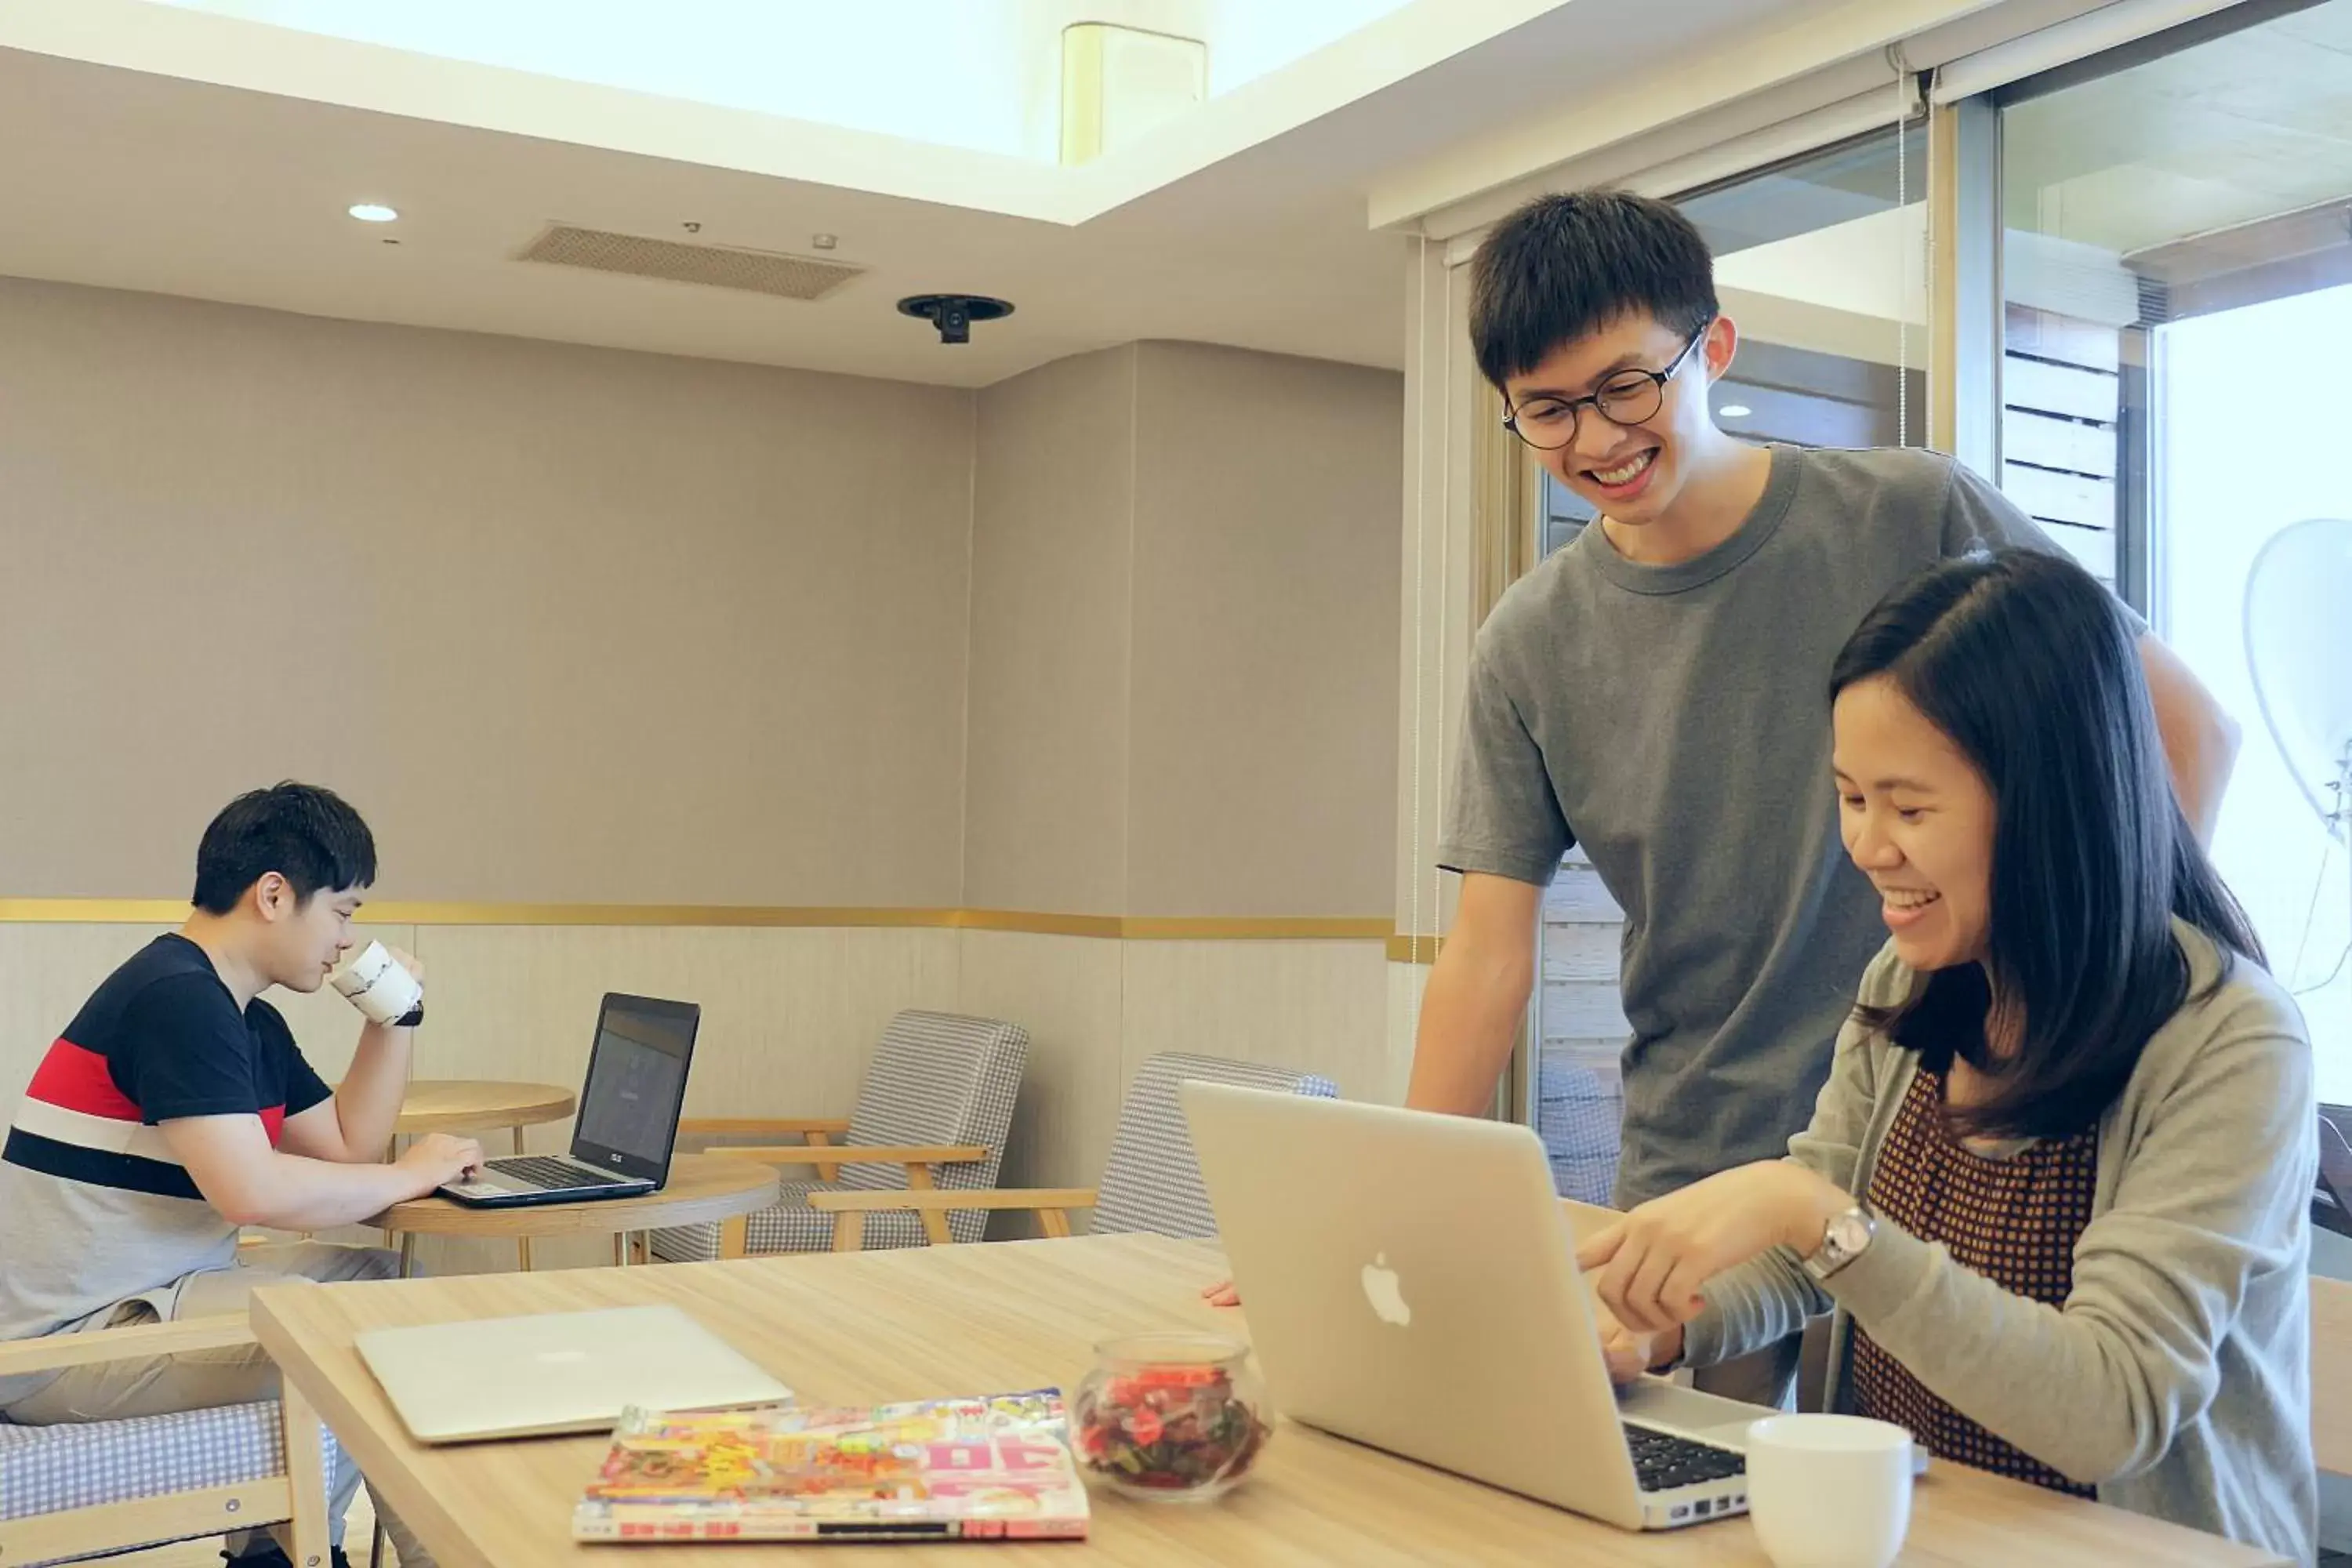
<point>860,1328</point>
<point>702,1190</point>
<point>470,1105</point>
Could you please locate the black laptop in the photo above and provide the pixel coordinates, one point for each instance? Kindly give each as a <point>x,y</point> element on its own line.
<point>627,1126</point>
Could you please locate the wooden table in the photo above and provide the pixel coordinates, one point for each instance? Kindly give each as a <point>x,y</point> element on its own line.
<point>474,1105</point>
<point>703,1189</point>
<point>860,1328</point>
<point>480,1105</point>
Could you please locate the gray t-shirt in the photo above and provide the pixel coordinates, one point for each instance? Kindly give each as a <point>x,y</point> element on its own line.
<point>1675,722</point>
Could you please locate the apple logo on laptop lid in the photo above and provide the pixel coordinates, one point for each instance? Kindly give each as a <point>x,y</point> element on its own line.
<point>1382,1291</point>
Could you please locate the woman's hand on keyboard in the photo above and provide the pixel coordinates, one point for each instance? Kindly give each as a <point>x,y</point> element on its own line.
<point>1630,1354</point>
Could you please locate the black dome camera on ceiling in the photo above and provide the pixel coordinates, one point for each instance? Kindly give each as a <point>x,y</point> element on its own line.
<point>953,314</point>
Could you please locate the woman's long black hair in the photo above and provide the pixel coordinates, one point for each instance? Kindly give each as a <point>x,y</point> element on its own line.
<point>2031,668</point>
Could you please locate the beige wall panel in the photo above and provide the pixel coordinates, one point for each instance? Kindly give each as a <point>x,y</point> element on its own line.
<point>1263,772</point>
<point>46,973</point>
<point>1066,991</point>
<point>789,1020</point>
<point>1320,1007</point>
<point>1053,494</point>
<point>570,625</point>
<point>789,1017</point>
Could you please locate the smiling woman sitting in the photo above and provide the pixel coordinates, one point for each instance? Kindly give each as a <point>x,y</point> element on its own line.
<point>2055,1190</point>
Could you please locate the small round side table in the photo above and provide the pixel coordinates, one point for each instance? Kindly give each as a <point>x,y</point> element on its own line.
<point>477,1105</point>
<point>702,1189</point>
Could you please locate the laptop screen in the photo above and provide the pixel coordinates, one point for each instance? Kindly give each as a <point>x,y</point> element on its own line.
<point>636,1084</point>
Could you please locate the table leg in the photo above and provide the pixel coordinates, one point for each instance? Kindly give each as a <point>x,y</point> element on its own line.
<point>391,1154</point>
<point>408,1255</point>
<point>620,1250</point>
<point>522,1243</point>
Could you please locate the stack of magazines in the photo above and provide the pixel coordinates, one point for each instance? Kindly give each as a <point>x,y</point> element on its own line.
<point>991,1469</point>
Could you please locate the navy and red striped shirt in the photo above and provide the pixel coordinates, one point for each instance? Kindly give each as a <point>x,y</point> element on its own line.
<point>93,1208</point>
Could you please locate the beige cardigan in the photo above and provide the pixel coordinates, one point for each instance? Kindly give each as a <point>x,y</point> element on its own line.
<point>2176,1376</point>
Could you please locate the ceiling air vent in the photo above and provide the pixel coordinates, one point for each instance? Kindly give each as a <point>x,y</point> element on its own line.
<point>717,266</point>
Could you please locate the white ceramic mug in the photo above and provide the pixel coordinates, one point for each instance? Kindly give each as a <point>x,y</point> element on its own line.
<point>1829,1491</point>
<point>374,981</point>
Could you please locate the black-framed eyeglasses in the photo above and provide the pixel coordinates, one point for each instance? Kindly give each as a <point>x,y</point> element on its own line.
<point>1628,398</point>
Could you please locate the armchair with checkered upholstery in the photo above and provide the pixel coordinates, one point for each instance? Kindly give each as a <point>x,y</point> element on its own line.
<point>94,1489</point>
<point>934,1112</point>
<point>1152,1182</point>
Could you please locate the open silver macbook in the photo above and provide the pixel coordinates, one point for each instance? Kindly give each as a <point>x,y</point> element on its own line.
<point>561,1371</point>
<point>1411,1284</point>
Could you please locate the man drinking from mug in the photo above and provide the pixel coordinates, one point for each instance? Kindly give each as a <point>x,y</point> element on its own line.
<point>176,1108</point>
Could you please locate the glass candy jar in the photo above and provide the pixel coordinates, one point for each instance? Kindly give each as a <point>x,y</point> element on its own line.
<point>1172,1417</point>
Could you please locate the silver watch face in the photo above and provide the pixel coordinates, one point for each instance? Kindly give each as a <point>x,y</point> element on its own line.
<point>1848,1234</point>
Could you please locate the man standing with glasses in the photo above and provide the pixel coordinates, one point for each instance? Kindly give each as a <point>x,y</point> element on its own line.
<point>1657,691</point>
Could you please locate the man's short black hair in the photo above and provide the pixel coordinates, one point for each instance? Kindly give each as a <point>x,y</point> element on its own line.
<point>307,835</point>
<point>1563,267</point>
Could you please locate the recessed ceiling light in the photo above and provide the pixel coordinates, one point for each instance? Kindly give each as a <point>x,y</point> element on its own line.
<point>373,212</point>
<point>1735,411</point>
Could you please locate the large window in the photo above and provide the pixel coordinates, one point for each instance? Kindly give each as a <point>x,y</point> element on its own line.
<point>1820,264</point>
<point>2178,272</point>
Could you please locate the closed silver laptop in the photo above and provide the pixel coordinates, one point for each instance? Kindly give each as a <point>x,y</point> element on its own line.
<point>559,1372</point>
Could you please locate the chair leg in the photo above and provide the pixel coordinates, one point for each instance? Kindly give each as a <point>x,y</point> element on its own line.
<point>849,1231</point>
<point>1055,1223</point>
<point>376,1546</point>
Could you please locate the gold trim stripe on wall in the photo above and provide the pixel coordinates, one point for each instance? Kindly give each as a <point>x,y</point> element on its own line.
<point>1132,928</point>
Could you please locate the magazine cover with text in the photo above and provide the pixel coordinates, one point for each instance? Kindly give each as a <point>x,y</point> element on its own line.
<point>994,1468</point>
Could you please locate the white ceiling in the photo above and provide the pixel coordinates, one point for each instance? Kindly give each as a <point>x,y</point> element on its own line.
<point>980,74</point>
<point>2242,128</point>
<point>1248,228</point>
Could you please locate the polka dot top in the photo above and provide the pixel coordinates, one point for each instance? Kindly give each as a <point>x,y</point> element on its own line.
<point>2014,1221</point>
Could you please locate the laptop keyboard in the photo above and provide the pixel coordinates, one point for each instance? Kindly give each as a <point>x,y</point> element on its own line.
<point>548,1174</point>
<point>1663,1461</point>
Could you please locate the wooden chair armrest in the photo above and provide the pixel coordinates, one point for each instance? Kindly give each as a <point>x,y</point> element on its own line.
<point>741,1126</point>
<point>55,1352</point>
<point>938,1202</point>
<point>906,1155</point>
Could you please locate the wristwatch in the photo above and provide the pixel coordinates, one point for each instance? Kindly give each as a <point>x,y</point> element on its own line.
<point>1843,1240</point>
